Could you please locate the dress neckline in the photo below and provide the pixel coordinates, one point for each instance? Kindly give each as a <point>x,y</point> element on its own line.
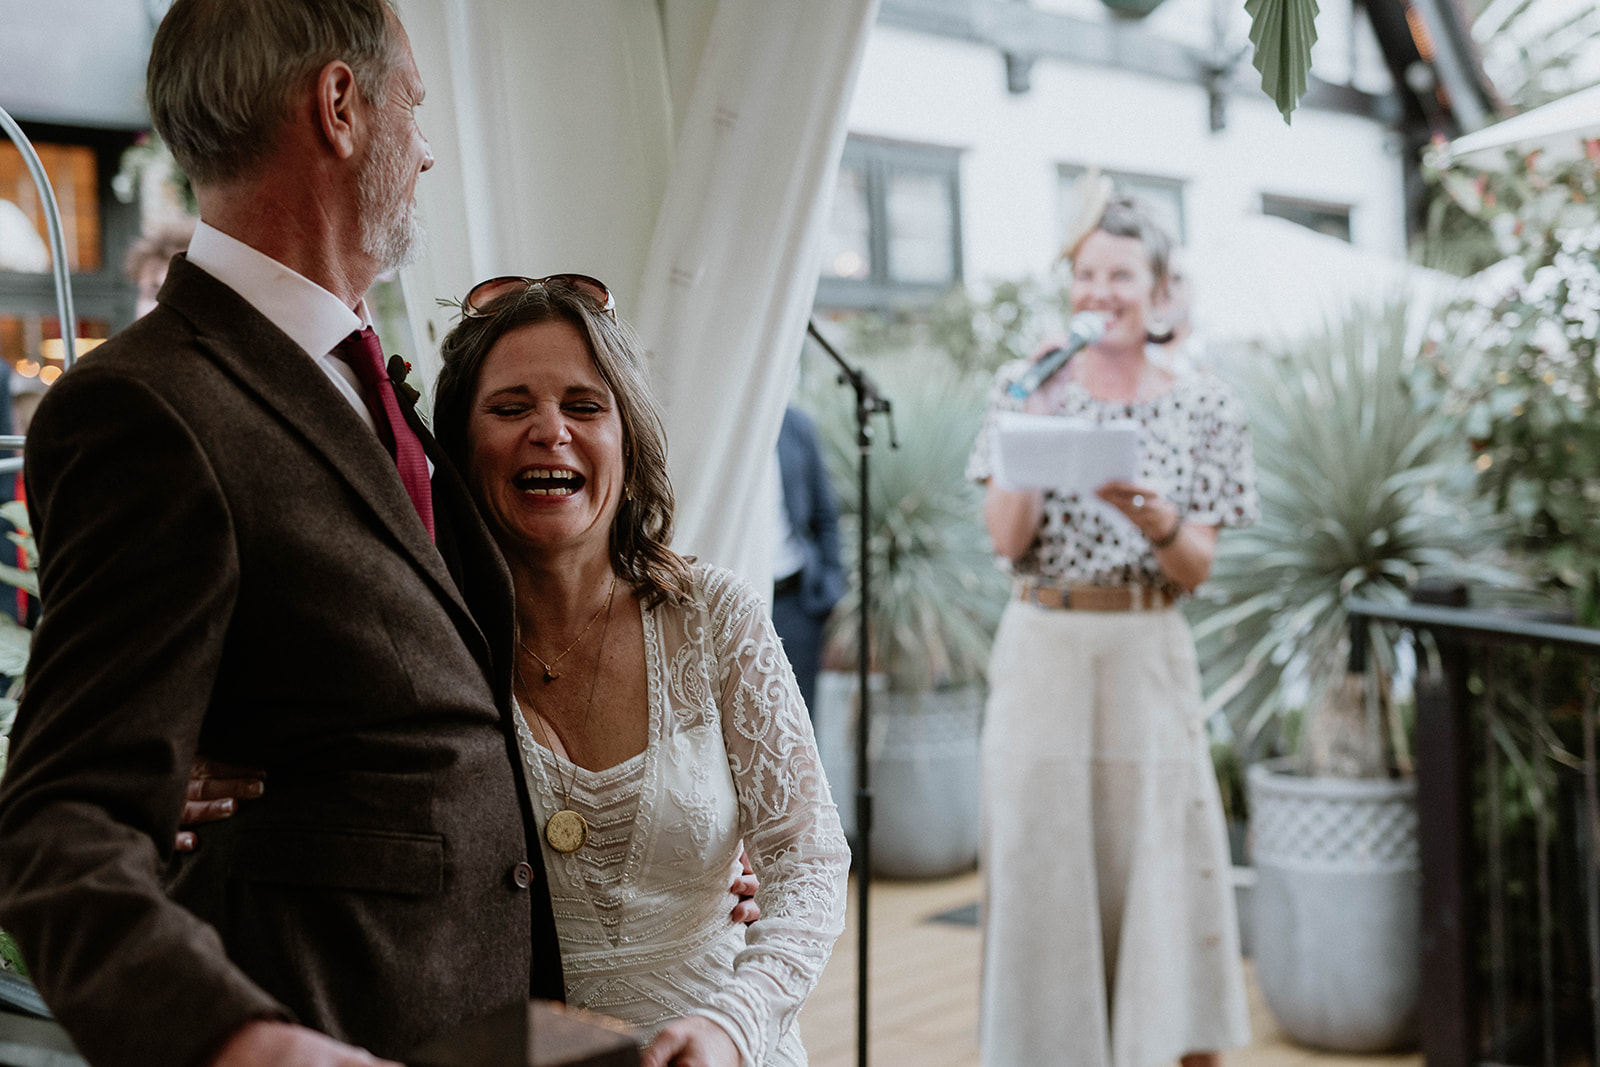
<point>565,763</point>
<point>1077,388</point>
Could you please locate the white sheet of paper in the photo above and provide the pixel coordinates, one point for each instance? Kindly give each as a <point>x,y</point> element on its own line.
<point>1063,453</point>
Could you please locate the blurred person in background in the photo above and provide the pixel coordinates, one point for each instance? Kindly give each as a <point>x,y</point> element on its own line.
<point>148,260</point>
<point>1110,938</point>
<point>808,575</point>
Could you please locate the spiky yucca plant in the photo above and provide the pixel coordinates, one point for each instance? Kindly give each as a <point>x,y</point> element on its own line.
<point>936,594</point>
<point>1363,490</point>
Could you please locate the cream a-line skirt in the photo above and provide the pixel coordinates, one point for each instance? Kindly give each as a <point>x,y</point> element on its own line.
<point>1110,938</point>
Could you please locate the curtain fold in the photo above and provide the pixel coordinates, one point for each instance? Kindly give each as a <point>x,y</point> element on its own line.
<point>732,269</point>
<point>685,152</point>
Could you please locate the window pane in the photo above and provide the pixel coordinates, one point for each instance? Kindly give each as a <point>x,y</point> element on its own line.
<point>921,229</point>
<point>24,238</point>
<point>1331,219</point>
<point>847,249</point>
<point>1164,199</point>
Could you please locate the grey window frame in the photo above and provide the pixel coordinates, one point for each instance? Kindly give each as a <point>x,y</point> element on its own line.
<point>879,159</point>
<point>1287,207</point>
<point>1068,173</point>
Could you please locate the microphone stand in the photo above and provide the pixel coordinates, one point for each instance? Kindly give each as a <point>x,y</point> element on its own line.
<point>869,402</point>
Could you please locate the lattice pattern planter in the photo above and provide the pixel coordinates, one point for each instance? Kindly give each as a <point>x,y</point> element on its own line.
<point>1336,907</point>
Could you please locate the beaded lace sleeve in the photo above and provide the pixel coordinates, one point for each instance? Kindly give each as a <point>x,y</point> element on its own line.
<point>787,819</point>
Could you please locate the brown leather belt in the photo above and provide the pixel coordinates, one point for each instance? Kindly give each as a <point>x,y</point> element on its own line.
<point>1094,597</point>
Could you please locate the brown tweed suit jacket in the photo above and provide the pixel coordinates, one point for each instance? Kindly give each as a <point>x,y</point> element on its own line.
<point>230,564</point>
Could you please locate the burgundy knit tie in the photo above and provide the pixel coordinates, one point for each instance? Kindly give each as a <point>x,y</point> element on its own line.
<point>365,356</point>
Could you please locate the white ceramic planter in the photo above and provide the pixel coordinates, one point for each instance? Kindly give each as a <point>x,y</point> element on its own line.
<point>924,759</point>
<point>1336,907</point>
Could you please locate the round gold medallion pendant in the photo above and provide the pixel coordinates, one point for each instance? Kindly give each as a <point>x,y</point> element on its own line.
<point>566,831</point>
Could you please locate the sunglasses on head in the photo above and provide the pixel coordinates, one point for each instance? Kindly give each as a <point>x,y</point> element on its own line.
<point>485,293</point>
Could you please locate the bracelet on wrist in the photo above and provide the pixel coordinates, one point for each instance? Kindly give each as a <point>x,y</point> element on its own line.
<point>1166,542</point>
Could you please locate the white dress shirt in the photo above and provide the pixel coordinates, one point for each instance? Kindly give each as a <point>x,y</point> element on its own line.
<point>313,318</point>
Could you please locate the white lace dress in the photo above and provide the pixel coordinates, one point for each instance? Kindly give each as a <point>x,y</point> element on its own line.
<point>642,909</point>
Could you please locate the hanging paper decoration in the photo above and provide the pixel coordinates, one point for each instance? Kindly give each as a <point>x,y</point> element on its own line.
<point>1283,32</point>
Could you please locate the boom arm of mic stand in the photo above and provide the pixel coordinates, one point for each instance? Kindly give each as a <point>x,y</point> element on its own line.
<point>869,398</point>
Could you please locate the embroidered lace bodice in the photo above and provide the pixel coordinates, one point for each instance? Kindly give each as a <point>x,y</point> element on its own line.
<point>642,909</point>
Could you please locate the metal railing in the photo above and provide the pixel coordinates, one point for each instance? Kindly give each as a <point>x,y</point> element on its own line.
<point>66,316</point>
<point>1508,797</point>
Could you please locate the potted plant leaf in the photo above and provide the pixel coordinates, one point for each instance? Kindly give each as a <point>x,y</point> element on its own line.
<point>1365,489</point>
<point>936,598</point>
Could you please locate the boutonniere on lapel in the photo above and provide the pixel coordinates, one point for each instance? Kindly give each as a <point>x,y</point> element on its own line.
<point>399,371</point>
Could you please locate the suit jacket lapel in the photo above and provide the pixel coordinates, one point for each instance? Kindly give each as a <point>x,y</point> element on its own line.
<point>279,375</point>
<point>473,558</point>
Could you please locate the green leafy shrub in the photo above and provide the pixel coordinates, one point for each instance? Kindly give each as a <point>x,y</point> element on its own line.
<point>1516,362</point>
<point>936,593</point>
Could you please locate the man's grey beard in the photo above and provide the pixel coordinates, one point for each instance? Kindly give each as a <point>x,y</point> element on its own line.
<point>391,233</point>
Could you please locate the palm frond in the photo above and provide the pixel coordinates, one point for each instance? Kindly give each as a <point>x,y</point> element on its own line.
<point>936,593</point>
<point>1364,489</point>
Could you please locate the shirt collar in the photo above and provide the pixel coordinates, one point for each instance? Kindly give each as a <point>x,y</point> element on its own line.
<point>310,315</point>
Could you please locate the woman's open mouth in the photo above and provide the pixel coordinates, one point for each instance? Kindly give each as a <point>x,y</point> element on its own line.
<point>547,481</point>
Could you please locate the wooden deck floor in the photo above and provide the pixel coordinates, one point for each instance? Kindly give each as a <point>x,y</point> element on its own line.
<point>924,1009</point>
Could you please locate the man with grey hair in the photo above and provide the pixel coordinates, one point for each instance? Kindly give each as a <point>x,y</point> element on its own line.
<point>241,553</point>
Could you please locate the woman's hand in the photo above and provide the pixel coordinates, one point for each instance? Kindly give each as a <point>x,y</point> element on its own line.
<point>268,1043</point>
<point>214,791</point>
<point>692,1041</point>
<point>744,887</point>
<point>1156,518</point>
<point>1184,551</point>
<point>1046,400</point>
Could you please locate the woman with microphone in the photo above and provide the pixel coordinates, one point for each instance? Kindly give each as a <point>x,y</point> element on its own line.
<point>1110,933</point>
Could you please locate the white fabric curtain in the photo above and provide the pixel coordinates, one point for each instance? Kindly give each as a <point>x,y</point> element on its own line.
<point>682,150</point>
<point>733,267</point>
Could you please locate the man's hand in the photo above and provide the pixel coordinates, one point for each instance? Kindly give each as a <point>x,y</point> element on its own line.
<point>744,887</point>
<point>265,1043</point>
<point>692,1041</point>
<point>214,791</point>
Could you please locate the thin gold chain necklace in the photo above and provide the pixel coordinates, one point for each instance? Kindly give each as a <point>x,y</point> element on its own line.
<point>550,672</point>
<point>566,830</point>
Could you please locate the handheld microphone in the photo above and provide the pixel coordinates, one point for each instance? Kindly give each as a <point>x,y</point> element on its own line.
<point>1086,328</point>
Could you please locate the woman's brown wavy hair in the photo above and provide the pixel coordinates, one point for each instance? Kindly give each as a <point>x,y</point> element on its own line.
<point>642,529</point>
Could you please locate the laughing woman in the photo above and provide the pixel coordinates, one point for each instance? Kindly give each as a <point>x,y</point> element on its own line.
<point>660,723</point>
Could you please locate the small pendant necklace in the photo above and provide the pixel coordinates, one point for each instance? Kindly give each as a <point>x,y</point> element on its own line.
<point>550,672</point>
<point>566,830</point>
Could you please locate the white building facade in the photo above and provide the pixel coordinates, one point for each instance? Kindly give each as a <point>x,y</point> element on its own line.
<point>972,120</point>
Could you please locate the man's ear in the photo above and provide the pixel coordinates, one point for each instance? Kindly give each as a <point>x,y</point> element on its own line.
<point>336,100</point>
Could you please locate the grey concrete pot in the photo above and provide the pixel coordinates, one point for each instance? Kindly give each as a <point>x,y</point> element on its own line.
<point>925,782</point>
<point>1336,906</point>
<point>924,761</point>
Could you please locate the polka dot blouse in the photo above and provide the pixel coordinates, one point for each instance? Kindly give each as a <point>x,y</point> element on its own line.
<point>1193,447</point>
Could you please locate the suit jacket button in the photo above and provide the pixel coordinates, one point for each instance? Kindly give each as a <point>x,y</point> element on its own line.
<point>522,875</point>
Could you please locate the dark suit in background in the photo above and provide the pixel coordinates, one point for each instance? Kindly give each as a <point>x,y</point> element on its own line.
<point>803,600</point>
<point>230,563</point>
